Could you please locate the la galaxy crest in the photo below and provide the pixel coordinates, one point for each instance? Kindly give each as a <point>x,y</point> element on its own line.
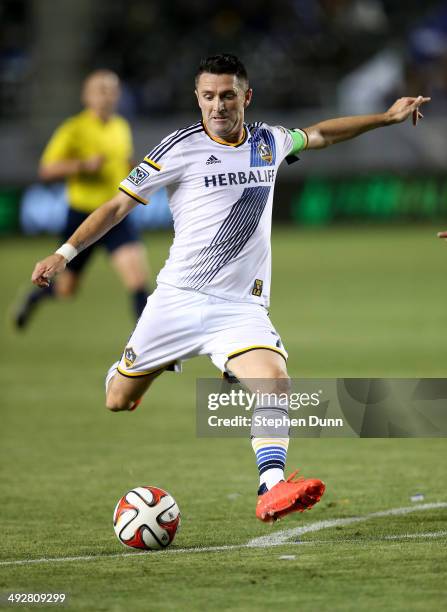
<point>265,152</point>
<point>129,357</point>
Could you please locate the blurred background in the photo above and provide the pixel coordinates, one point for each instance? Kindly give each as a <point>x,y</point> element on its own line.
<point>307,59</point>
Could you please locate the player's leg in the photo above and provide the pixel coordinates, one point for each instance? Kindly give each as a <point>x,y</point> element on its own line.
<point>129,258</point>
<point>124,393</point>
<point>130,261</point>
<point>258,363</point>
<point>65,284</point>
<point>160,341</point>
<point>262,371</point>
<point>28,303</point>
<point>247,346</point>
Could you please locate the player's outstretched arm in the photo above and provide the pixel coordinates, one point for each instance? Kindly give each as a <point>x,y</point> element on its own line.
<point>62,169</point>
<point>336,130</point>
<point>442,235</point>
<point>92,229</point>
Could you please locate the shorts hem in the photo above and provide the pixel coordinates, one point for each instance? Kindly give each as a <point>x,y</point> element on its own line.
<point>146,373</point>
<point>255,347</point>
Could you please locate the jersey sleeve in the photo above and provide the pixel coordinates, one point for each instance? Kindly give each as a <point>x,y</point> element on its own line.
<point>60,145</point>
<point>291,142</point>
<point>149,175</point>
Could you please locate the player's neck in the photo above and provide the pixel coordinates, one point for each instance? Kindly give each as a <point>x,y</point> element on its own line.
<point>103,116</point>
<point>233,137</point>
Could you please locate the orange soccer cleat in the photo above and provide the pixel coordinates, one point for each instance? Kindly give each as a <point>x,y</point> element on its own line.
<point>135,404</point>
<point>289,496</point>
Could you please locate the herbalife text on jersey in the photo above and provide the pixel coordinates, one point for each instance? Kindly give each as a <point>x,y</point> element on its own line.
<point>267,175</point>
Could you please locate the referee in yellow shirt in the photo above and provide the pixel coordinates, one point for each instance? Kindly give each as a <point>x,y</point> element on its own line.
<point>92,151</point>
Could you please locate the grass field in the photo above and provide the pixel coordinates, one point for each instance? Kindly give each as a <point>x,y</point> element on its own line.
<point>348,302</point>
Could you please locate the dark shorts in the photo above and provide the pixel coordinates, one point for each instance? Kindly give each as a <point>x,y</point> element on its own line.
<point>123,233</point>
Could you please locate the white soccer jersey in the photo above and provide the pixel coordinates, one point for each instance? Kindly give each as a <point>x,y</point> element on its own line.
<point>221,197</point>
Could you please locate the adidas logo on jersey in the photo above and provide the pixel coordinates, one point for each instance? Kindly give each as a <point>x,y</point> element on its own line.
<point>213,160</point>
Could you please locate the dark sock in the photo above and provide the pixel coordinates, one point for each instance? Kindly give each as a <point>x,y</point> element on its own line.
<point>38,294</point>
<point>139,301</point>
<point>24,312</point>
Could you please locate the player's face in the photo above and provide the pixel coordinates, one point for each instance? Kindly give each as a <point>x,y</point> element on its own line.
<point>223,99</point>
<point>101,93</point>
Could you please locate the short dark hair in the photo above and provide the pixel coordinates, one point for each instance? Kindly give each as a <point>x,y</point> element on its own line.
<point>223,63</point>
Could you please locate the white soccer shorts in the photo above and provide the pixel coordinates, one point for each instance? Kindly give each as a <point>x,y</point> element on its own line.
<point>178,324</point>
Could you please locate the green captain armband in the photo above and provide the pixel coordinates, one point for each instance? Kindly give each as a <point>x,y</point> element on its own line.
<point>299,138</point>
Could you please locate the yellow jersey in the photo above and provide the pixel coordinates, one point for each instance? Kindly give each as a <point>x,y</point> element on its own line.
<point>86,135</point>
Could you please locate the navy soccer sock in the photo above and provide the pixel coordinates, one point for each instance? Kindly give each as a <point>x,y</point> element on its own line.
<point>25,310</point>
<point>38,294</point>
<point>139,298</point>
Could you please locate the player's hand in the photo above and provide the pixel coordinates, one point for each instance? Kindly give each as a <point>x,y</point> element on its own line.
<point>404,107</point>
<point>47,268</point>
<point>93,164</point>
<point>442,235</point>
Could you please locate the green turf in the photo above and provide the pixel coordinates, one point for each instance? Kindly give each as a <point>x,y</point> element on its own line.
<point>347,302</point>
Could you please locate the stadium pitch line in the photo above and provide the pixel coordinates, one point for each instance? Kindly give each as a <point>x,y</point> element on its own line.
<point>278,538</point>
<point>405,536</point>
<point>285,537</point>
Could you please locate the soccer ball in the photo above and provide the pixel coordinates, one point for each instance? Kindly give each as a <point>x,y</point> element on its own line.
<point>147,518</point>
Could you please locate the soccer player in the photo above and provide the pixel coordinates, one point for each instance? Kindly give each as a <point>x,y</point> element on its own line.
<point>92,151</point>
<point>213,291</point>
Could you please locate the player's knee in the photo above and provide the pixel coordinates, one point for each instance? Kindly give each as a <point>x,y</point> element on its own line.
<point>116,401</point>
<point>278,372</point>
<point>66,286</point>
<point>283,383</point>
<point>65,292</point>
